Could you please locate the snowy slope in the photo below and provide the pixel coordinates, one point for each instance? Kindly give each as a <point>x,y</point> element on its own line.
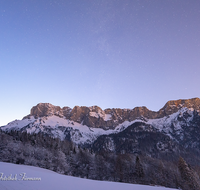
<point>60,127</point>
<point>163,124</point>
<point>53,181</point>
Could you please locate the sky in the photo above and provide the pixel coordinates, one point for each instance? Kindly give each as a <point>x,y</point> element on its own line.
<point>110,53</point>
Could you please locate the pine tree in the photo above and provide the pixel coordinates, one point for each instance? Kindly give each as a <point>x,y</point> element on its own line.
<point>138,168</point>
<point>187,175</point>
<point>119,168</point>
<point>100,167</point>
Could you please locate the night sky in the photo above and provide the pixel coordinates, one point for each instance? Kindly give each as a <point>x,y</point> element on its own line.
<point>110,53</point>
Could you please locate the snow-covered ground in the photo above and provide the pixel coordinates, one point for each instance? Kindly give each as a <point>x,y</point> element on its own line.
<point>33,178</point>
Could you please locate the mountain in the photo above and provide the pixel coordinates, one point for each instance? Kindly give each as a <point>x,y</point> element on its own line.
<point>179,120</point>
<point>182,127</point>
<point>124,145</point>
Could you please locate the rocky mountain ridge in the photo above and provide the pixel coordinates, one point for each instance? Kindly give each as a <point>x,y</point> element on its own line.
<point>95,117</point>
<point>179,120</point>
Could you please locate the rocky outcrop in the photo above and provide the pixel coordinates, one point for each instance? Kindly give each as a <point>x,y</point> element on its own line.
<point>47,109</point>
<point>79,114</point>
<point>109,118</point>
<point>174,105</point>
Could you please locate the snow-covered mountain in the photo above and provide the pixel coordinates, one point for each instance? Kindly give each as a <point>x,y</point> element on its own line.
<point>109,142</point>
<point>83,125</point>
<point>62,128</point>
<point>20,177</point>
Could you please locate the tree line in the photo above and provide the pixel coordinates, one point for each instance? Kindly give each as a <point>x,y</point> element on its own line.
<point>67,158</point>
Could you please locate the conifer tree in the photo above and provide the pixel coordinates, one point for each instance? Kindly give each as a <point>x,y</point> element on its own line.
<point>138,168</point>
<point>119,168</point>
<point>187,175</point>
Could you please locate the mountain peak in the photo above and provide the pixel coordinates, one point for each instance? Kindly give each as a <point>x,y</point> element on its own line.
<point>184,102</point>
<point>45,109</point>
<point>173,106</point>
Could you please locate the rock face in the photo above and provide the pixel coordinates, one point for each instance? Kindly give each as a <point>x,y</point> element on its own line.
<point>95,117</point>
<point>45,109</point>
<point>173,106</point>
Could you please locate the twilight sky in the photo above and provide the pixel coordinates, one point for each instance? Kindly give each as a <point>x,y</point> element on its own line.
<point>110,53</point>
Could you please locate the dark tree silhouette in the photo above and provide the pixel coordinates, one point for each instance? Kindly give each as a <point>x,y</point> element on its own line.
<point>138,168</point>
<point>187,175</point>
